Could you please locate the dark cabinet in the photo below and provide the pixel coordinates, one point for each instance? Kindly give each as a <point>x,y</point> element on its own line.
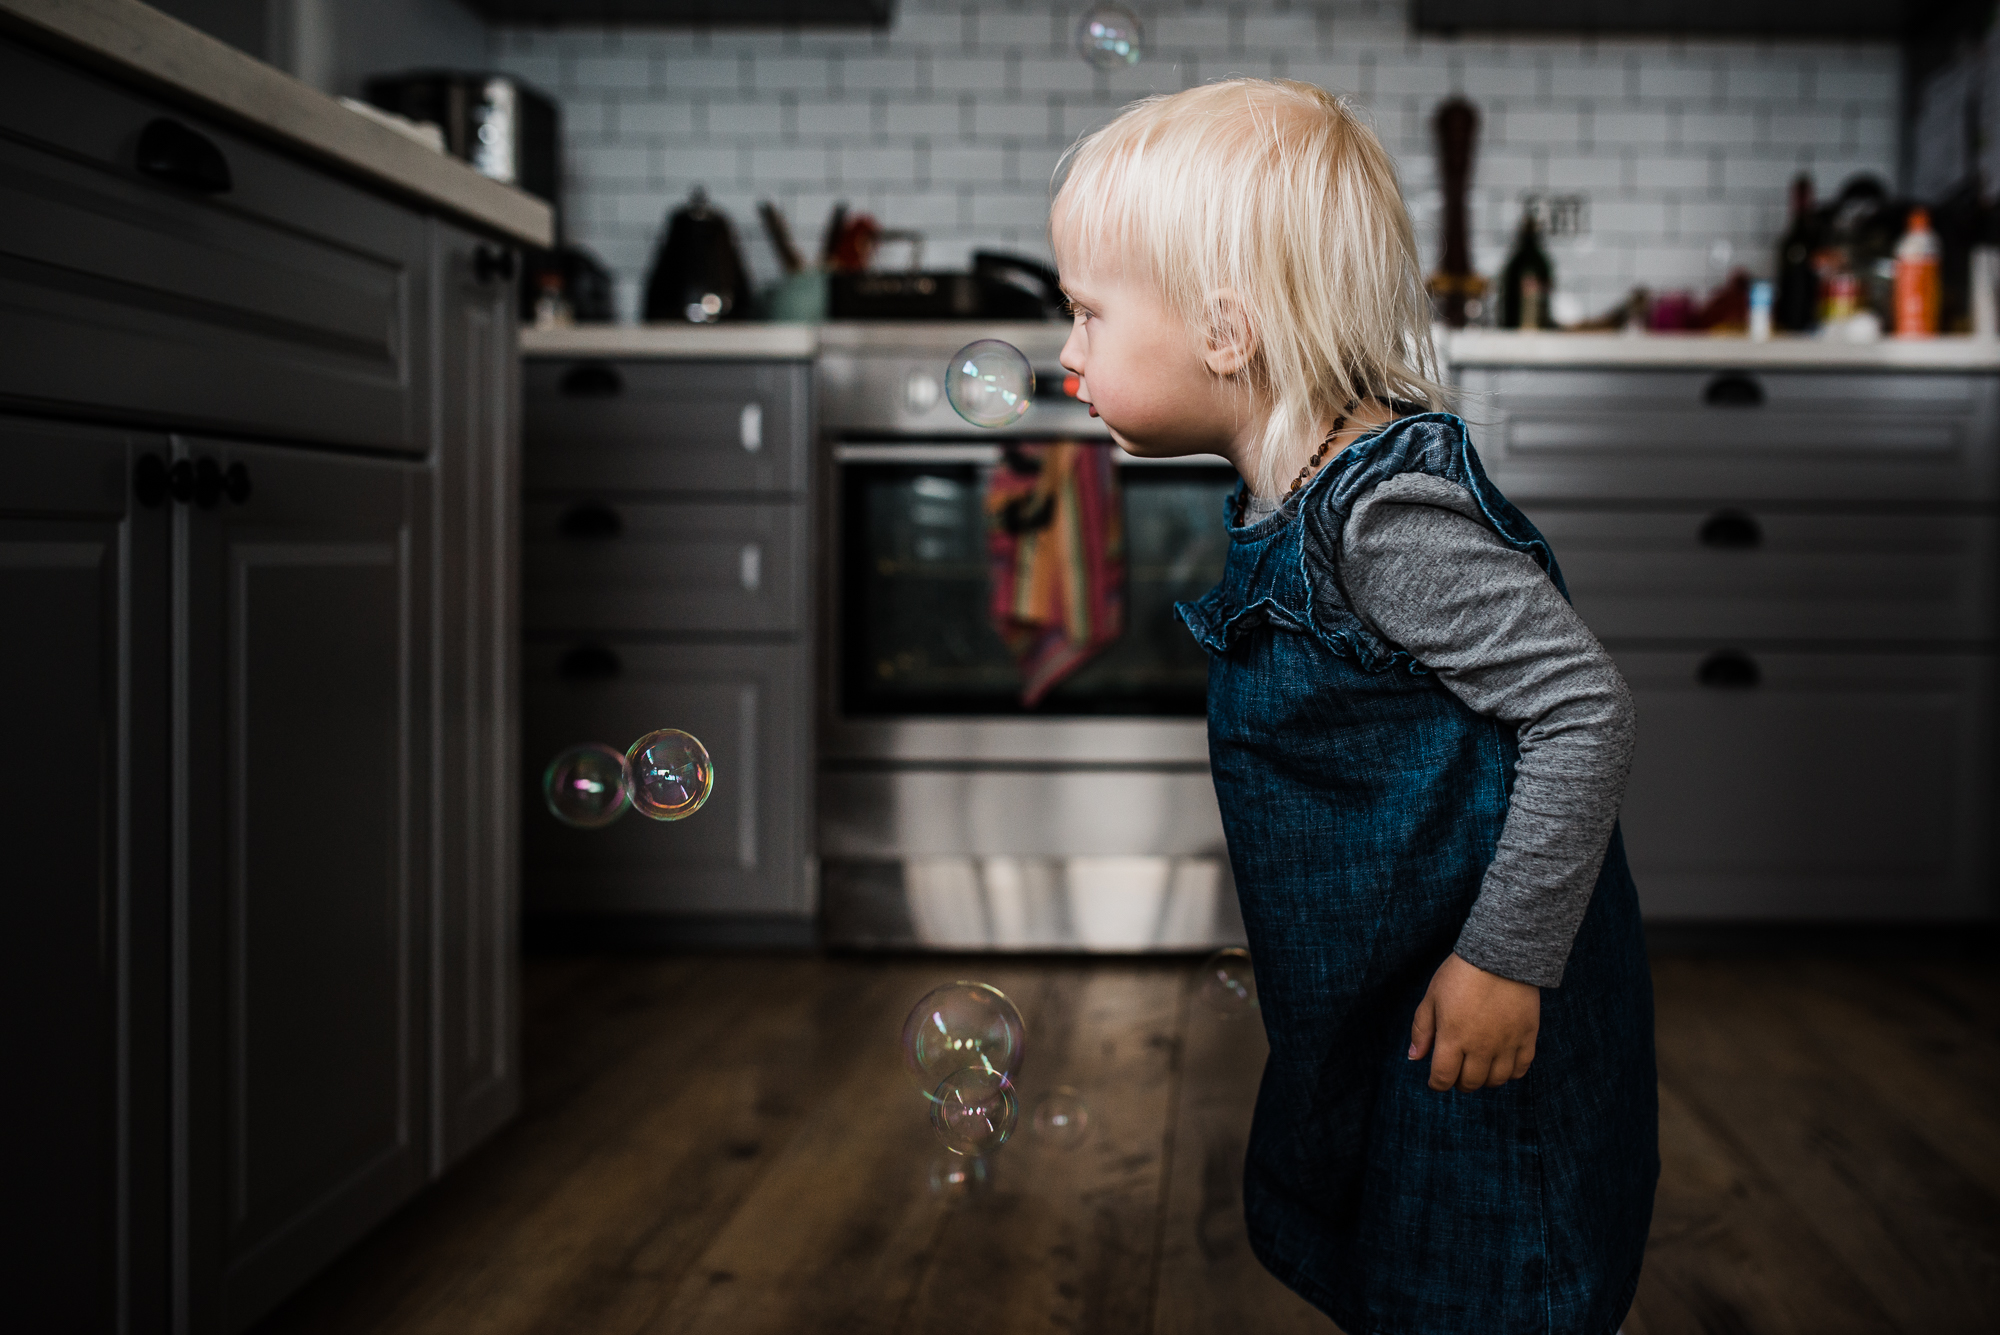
<point>259,586</point>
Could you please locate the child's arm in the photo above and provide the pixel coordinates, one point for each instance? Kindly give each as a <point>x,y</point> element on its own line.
<point>1421,565</point>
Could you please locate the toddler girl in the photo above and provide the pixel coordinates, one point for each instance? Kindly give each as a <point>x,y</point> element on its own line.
<point>1418,748</point>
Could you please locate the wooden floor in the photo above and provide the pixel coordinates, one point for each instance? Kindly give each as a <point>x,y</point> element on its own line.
<point>728,1144</point>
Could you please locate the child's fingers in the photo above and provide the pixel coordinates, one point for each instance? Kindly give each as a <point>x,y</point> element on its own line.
<point>1446,1064</point>
<point>1472,1075</point>
<point>1423,1028</point>
<point>1502,1070</point>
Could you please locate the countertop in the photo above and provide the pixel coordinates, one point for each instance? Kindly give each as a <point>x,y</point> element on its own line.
<point>147,47</point>
<point>1468,347</point>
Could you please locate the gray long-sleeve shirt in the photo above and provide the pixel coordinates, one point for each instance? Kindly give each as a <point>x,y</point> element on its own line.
<point>1423,570</point>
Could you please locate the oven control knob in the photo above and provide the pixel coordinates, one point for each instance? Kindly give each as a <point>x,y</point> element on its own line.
<point>920,391</point>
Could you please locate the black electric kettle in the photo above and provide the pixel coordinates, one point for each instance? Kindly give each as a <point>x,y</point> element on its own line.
<point>698,273</point>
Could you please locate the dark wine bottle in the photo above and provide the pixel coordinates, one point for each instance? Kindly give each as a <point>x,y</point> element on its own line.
<point>1797,305</point>
<point>1527,281</point>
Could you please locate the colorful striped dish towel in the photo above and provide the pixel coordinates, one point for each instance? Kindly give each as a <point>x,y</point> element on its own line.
<point>1055,543</point>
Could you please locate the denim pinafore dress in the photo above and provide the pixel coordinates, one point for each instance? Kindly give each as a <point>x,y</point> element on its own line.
<point>1363,803</point>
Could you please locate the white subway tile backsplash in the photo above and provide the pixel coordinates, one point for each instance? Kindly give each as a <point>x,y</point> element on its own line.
<point>952,121</point>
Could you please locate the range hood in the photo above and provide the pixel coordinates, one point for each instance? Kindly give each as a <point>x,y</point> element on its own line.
<point>1717,18</point>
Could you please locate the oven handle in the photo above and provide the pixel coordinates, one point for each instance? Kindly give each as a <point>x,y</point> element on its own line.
<point>984,454</point>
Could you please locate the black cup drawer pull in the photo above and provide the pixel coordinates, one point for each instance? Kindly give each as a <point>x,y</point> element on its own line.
<point>1732,530</point>
<point>592,380</point>
<point>591,519</point>
<point>1733,389</point>
<point>171,152</point>
<point>1727,668</point>
<point>149,481</point>
<point>590,662</point>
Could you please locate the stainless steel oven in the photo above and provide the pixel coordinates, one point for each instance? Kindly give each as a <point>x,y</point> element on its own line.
<point>950,816</point>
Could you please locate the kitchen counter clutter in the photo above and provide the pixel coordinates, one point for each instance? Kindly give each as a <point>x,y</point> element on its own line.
<point>139,46</point>
<point>1480,347</point>
<point>257,573</point>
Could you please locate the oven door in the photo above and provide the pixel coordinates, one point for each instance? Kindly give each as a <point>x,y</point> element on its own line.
<point>917,670</point>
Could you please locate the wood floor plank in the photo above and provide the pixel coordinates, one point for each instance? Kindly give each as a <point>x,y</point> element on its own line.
<point>1066,1241</point>
<point>1209,1279</point>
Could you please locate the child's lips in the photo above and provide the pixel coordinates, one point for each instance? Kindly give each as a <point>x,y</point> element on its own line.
<point>1092,407</point>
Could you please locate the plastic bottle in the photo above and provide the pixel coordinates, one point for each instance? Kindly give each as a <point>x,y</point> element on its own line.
<point>1760,312</point>
<point>1917,278</point>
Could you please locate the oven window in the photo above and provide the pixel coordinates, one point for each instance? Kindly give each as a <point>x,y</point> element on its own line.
<point>915,634</point>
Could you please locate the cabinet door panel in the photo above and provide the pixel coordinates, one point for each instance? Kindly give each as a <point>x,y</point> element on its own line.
<point>475,976</point>
<point>301,893</point>
<point>283,306</point>
<point>1808,435</point>
<point>1765,575</point>
<point>1838,786</point>
<point>743,852</point>
<point>687,569</point>
<point>667,426</point>
<point>83,599</point>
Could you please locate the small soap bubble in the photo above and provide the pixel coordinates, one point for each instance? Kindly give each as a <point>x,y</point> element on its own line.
<point>671,774</point>
<point>1062,1118</point>
<point>1228,984</point>
<point>1109,36</point>
<point>974,1111</point>
<point>587,785</point>
<point>958,1026</point>
<point>990,383</point>
<point>958,1178</point>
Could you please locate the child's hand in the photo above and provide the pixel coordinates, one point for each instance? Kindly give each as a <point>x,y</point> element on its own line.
<point>1483,1026</point>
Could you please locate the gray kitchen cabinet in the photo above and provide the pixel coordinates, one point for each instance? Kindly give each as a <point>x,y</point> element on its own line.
<point>259,586</point>
<point>1796,572</point>
<point>475,507</point>
<point>299,886</point>
<point>84,959</point>
<point>667,584</point>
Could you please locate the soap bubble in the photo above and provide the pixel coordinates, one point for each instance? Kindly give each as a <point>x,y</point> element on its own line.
<point>1109,36</point>
<point>1228,984</point>
<point>1062,1117</point>
<point>974,1111</point>
<point>586,786</point>
<point>958,1178</point>
<point>671,774</point>
<point>961,1025</point>
<point>990,383</point>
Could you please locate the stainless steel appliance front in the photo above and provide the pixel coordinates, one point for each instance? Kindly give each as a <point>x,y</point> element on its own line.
<point>950,817</point>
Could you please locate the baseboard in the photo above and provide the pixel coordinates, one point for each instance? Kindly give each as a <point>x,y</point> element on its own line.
<point>1976,939</point>
<point>570,933</point>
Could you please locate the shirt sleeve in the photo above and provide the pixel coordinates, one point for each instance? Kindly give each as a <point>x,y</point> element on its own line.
<point>1424,570</point>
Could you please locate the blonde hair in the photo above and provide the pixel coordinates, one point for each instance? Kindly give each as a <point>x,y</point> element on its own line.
<point>1274,190</point>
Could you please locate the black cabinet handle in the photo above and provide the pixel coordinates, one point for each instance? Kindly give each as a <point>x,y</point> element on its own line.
<point>591,519</point>
<point>1727,668</point>
<point>592,380</point>
<point>491,262</point>
<point>589,662</point>
<point>236,483</point>
<point>171,152</point>
<point>1733,389</point>
<point>207,483</point>
<point>149,481</point>
<point>1731,530</point>
<point>180,481</point>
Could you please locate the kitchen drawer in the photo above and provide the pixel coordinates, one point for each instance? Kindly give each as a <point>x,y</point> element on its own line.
<point>122,294</point>
<point>1750,574</point>
<point>598,567</point>
<point>1713,436</point>
<point>1812,786</point>
<point>667,426</point>
<point>744,851</point>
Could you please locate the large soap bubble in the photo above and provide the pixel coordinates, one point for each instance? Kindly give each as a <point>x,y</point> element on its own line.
<point>960,1026</point>
<point>671,774</point>
<point>990,383</point>
<point>1109,36</point>
<point>586,786</point>
<point>974,1111</point>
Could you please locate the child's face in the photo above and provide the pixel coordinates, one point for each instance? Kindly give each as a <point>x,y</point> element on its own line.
<point>1143,373</point>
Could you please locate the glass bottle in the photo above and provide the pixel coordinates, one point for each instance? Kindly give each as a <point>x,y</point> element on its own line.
<point>1797,306</point>
<point>1527,281</point>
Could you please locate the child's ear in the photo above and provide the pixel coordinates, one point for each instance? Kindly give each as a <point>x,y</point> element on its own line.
<point>1230,340</point>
